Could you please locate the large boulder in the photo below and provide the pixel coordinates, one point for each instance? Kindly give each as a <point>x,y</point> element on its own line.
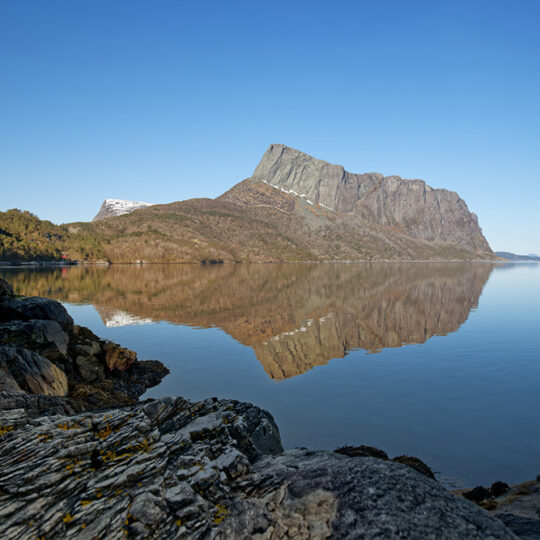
<point>117,357</point>
<point>44,337</point>
<point>25,371</point>
<point>25,309</point>
<point>321,494</point>
<point>211,469</point>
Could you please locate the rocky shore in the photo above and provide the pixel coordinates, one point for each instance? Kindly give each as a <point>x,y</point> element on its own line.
<point>80,457</point>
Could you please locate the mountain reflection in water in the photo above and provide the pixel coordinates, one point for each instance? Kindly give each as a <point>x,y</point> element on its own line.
<point>294,316</point>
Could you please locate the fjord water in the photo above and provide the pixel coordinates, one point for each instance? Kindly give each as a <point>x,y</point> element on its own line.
<point>439,361</point>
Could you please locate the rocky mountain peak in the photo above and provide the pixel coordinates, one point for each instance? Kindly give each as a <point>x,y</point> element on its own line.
<point>420,211</point>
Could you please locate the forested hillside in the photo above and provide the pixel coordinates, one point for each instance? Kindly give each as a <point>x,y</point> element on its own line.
<point>25,237</point>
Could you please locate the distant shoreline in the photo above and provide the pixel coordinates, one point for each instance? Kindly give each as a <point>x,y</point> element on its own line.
<point>52,264</point>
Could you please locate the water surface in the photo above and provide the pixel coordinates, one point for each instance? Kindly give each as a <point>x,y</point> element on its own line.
<point>440,361</point>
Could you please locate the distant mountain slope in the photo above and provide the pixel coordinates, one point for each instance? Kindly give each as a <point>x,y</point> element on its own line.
<point>255,222</point>
<point>118,207</point>
<point>514,257</point>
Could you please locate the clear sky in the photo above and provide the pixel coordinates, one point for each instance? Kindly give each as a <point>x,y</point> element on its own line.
<point>168,100</point>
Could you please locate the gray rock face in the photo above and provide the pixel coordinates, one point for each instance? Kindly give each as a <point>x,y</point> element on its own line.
<point>434,215</point>
<point>321,182</point>
<point>519,509</point>
<point>35,405</point>
<point>211,469</point>
<point>25,371</point>
<point>326,495</point>
<point>160,470</point>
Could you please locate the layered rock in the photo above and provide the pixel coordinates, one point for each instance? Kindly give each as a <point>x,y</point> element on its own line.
<point>434,215</point>
<point>212,469</point>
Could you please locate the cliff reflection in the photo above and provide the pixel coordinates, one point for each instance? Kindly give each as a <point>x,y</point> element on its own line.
<point>294,316</point>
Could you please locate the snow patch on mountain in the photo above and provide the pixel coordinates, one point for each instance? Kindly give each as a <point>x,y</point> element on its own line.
<point>117,207</point>
<point>292,192</point>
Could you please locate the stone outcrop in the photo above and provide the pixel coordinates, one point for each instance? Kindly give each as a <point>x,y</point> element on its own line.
<point>42,352</point>
<point>517,506</point>
<point>434,215</point>
<point>211,469</point>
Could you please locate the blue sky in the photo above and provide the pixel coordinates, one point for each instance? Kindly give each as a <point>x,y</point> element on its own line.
<point>168,100</point>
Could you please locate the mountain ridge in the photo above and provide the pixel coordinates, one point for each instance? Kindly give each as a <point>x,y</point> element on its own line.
<point>293,208</point>
<point>421,211</point>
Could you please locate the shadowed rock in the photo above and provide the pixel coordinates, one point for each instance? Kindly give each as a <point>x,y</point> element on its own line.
<point>477,494</point>
<point>12,309</point>
<point>498,488</point>
<point>44,337</point>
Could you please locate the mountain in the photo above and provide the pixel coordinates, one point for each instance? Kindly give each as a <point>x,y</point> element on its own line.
<point>118,207</point>
<point>255,222</point>
<point>294,208</point>
<point>514,257</point>
<point>424,213</point>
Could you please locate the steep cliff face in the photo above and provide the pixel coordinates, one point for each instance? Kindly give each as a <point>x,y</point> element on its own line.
<point>434,215</point>
<point>321,182</point>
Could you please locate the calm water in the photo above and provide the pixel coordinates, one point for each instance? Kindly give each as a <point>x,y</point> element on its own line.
<point>440,361</point>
